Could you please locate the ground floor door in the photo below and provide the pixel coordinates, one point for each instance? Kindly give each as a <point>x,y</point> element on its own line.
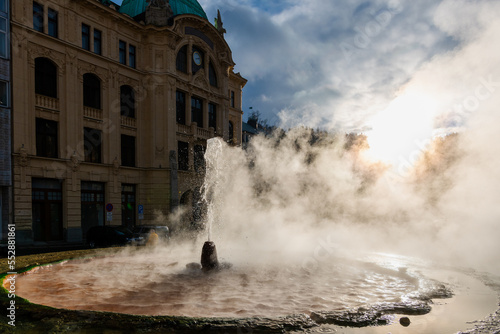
<point>46,198</point>
<point>92,205</point>
<point>128,205</point>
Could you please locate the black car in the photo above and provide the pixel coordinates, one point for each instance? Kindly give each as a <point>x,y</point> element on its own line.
<point>102,236</point>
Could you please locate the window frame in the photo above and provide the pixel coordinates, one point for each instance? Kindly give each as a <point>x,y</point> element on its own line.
<point>6,86</point>
<point>128,150</point>
<point>92,152</point>
<point>4,38</point>
<point>52,22</point>
<point>45,78</point>
<point>212,75</point>
<point>38,17</point>
<point>92,93</point>
<point>4,6</point>
<point>44,147</point>
<point>132,55</point>
<point>97,41</point>
<point>181,59</point>
<point>122,52</point>
<point>85,37</point>
<point>232,99</point>
<point>197,111</point>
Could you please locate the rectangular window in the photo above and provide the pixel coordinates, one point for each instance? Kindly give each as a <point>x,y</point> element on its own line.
<point>3,6</point>
<point>97,41</point>
<point>92,145</point>
<point>128,151</point>
<point>37,16</point>
<point>131,56</point>
<point>4,94</point>
<point>46,138</point>
<point>212,116</point>
<point>180,107</point>
<point>232,99</point>
<point>3,37</point>
<point>197,111</point>
<point>53,23</point>
<point>85,36</point>
<point>183,155</point>
<point>122,52</point>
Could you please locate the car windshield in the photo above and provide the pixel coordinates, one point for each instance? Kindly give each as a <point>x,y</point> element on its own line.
<point>122,230</point>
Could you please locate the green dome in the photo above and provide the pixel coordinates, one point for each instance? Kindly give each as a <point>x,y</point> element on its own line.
<point>179,7</point>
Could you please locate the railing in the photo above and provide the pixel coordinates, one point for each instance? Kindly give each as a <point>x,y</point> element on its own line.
<point>184,129</point>
<point>46,102</point>
<point>128,121</point>
<point>92,113</point>
<point>203,133</point>
<point>194,130</point>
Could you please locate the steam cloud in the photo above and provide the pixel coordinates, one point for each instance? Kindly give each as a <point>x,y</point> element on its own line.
<point>285,201</point>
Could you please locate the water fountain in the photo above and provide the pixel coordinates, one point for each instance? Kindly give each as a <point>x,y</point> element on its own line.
<point>280,269</point>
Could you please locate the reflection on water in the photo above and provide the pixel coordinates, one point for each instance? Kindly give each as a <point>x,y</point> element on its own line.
<point>158,285</point>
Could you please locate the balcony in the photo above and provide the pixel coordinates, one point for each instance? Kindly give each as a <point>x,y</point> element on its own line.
<point>46,102</point>
<point>195,131</point>
<point>128,122</point>
<point>92,113</point>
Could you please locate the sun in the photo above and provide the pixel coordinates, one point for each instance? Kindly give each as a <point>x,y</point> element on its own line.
<point>403,129</point>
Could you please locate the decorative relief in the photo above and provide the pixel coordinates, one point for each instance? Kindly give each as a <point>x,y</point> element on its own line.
<point>36,50</point>
<point>124,80</point>
<point>159,152</point>
<point>84,67</point>
<point>200,80</point>
<point>24,160</point>
<point>74,163</point>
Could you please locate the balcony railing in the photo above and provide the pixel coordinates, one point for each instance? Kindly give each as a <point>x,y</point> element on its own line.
<point>92,113</point>
<point>47,102</point>
<point>128,121</point>
<point>195,131</point>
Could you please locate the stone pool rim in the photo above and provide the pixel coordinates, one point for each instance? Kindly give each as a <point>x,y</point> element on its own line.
<point>36,317</point>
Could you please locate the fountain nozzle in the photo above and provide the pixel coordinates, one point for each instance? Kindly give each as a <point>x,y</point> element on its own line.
<point>209,259</point>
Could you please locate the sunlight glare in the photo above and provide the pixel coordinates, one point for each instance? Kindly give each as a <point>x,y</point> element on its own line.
<point>403,129</point>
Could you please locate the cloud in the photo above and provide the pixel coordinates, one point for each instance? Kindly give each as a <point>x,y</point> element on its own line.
<point>298,52</point>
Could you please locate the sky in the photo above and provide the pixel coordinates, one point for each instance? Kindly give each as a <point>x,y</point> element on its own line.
<point>386,68</point>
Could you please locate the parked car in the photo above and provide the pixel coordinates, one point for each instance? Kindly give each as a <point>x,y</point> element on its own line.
<point>142,232</point>
<point>102,236</point>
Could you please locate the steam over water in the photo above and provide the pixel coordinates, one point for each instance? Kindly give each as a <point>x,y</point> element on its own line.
<point>149,284</point>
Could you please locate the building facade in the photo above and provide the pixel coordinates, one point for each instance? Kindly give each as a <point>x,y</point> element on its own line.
<point>112,108</point>
<point>5,119</point>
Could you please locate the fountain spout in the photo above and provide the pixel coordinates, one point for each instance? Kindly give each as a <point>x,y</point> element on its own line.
<point>209,259</point>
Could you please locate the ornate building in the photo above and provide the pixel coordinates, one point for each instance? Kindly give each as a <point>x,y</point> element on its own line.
<point>112,107</point>
<point>5,119</point>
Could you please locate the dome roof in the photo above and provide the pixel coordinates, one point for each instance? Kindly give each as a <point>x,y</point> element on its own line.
<point>179,7</point>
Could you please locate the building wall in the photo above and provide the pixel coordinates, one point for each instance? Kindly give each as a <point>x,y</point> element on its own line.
<point>154,80</point>
<point>5,124</point>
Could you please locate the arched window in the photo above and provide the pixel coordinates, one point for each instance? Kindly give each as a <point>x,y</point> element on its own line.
<point>230,132</point>
<point>127,101</point>
<point>91,91</point>
<point>181,61</point>
<point>45,77</point>
<point>211,75</point>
